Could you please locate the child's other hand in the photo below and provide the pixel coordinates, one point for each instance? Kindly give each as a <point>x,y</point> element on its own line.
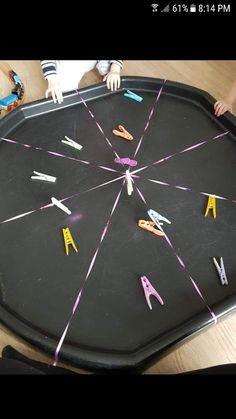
<point>221,106</point>
<point>54,88</point>
<point>113,80</point>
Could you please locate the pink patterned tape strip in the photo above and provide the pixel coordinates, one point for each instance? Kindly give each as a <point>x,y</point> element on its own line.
<point>189,190</point>
<point>98,125</point>
<point>149,119</point>
<point>182,264</point>
<point>87,276</point>
<point>63,199</point>
<point>54,153</point>
<point>182,151</point>
<point>193,282</point>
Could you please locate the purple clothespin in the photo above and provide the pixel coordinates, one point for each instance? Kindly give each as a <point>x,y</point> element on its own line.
<point>150,290</point>
<point>126,160</point>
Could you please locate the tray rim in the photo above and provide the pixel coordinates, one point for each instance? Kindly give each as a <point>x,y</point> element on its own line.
<point>90,358</point>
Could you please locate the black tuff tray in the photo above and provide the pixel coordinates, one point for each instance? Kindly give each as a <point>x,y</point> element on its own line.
<point>113,327</point>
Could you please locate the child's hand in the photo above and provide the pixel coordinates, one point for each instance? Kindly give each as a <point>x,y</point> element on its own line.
<point>54,88</point>
<point>113,80</point>
<point>221,107</point>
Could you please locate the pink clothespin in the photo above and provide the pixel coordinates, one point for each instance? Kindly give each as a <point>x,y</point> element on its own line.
<point>126,160</point>
<point>150,290</point>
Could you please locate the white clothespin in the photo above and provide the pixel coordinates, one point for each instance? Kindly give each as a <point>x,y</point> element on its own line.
<point>221,271</point>
<point>42,176</point>
<point>71,143</point>
<point>60,205</point>
<point>129,182</point>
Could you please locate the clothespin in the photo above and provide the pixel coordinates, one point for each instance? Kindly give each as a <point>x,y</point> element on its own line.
<point>221,271</point>
<point>150,226</point>
<point>133,96</point>
<point>150,290</point>
<point>156,218</point>
<point>68,240</point>
<point>123,133</point>
<point>42,176</point>
<point>126,160</point>
<point>129,182</point>
<point>60,205</point>
<point>211,204</point>
<point>72,143</point>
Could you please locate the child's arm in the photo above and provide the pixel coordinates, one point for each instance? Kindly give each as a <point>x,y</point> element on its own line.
<point>50,73</point>
<point>113,77</point>
<point>221,106</point>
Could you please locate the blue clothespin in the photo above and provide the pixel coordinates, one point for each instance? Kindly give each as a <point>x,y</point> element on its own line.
<point>156,218</point>
<point>221,271</point>
<point>133,96</point>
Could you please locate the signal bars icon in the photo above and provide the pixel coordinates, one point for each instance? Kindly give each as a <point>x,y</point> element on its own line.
<point>166,9</point>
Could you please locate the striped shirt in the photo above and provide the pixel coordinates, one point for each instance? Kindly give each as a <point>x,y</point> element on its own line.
<point>50,66</point>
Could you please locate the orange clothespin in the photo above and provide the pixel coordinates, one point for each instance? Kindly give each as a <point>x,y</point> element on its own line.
<point>211,204</point>
<point>123,133</point>
<point>68,240</point>
<point>150,226</point>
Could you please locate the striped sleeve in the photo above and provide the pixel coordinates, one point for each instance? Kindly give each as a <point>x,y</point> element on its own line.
<point>48,67</point>
<point>118,62</point>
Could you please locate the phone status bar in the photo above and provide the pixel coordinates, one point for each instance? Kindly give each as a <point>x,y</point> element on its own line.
<point>192,8</point>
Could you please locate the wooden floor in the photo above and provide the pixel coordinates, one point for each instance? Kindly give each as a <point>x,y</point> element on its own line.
<point>217,344</point>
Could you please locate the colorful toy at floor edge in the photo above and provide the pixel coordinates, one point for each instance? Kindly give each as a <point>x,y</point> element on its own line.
<point>11,101</point>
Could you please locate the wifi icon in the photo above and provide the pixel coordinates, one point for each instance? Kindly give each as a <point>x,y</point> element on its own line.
<point>154,7</point>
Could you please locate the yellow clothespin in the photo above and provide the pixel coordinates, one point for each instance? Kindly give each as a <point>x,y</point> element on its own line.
<point>211,204</point>
<point>68,240</point>
<point>150,226</point>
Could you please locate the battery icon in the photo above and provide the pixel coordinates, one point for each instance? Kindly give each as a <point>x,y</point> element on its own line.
<point>192,8</point>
